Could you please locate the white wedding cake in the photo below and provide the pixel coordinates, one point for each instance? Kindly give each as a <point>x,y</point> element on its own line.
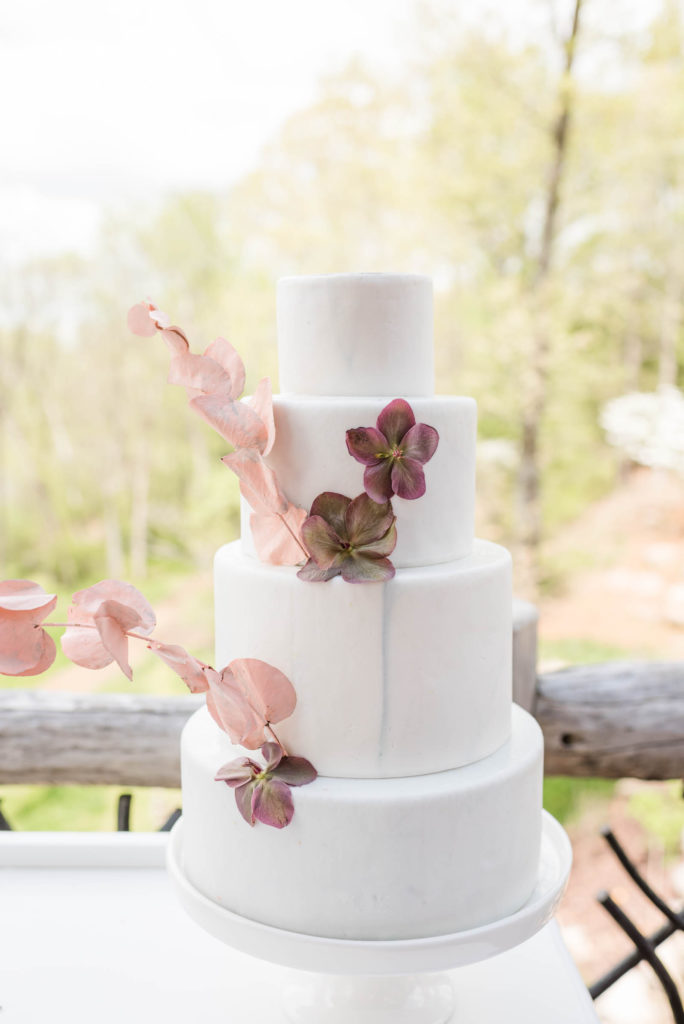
<point>425,818</point>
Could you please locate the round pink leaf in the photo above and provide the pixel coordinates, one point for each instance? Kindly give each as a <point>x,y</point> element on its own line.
<point>195,674</point>
<point>140,322</point>
<point>201,376</point>
<point>176,342</point>
<point>273,538</point>
<point>258,483</point>
<point>262,403</point>
<point>234,421</point>
<point>249,694</point>
<point>25,648</point>
<point>83,643</point>
<point>223,353</point>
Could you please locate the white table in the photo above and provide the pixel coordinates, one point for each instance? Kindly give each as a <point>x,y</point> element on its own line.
<point>90,933</point>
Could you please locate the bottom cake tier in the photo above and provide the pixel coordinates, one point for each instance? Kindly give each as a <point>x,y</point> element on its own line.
<point>398,858</point>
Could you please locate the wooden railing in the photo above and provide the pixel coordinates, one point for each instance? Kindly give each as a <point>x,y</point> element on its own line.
<point>610,720</point>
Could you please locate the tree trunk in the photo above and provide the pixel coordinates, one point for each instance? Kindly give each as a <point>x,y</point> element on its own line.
<point>529,504</point>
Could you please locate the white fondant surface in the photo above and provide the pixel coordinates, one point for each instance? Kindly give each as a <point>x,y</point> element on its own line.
<point>310,456</point>
<point>370,859</point>
<point>356,334</point>
<point>395,679</point>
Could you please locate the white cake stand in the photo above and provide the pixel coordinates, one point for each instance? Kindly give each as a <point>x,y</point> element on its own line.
<point>384,981</point>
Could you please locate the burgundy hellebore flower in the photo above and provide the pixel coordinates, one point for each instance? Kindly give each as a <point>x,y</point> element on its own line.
<point>263,794</point>
<point>394,452</point>
<point>349,538</point>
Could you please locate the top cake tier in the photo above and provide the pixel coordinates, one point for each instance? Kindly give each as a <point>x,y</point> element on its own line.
<point>356,334</point>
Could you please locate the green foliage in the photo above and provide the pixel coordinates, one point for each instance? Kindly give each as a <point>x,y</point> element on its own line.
<point>84,808</point>
<point>660,810</point>
<point>567,799</point>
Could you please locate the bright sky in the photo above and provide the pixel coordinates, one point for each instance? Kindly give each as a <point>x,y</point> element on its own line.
<point>109,100</point>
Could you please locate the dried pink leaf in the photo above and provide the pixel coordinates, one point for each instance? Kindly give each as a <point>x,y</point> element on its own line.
<point>234,421</point>
<point>199,375</point>
<point>262,403</point>
<point>223,353</point>
<point>101,615</point>
<point>25,648</point>
<point>275,540</point>
<point>247,696</point>
<point>258,483</point>
<point>195,674</point>
<point>140,322</point>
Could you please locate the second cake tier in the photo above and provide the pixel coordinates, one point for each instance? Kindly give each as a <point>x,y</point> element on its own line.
<point>402,678</point>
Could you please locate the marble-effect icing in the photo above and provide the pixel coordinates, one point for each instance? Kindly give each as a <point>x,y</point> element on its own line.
<point>386,685</point>
<point>310,456</point>
<point>426,815</point>
<point>371,858</point>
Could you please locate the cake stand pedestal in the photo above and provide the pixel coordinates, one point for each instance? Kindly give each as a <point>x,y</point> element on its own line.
<point>378,982</point>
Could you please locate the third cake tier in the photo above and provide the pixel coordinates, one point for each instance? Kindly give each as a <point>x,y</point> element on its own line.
<point>393,679</point>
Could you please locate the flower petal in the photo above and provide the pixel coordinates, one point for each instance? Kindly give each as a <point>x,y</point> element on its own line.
<point>223,353</point>
<point>420,442</point>
<point>272,536</point>
<point>311,573</point>
<point>367,570</point>
<point>395,420</point>
<point>194,673</point>
<point>244,798</point>
<point>408,478</point>
<point>384,546</point>
<point>258,483</point>
<point>367,445</point>
<point>332,507</point>
<point>234,421</point>
<point>272,803</point>
<point>272,754</point>
<point>262,403</point>
<point>368,520</point>
<point>237,772</point>
<point>295,771</point>
<point>377,480</point>
<point>321,541</point>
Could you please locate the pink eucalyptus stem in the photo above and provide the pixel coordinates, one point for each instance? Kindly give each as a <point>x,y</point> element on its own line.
<point>273,734</point>
<point>86,625</point>
<point>293,534</point>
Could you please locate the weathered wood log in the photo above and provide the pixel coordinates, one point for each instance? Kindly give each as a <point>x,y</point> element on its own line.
<point>525,621</point>
<point>117,739</point>
<point>611,720</point>
<point>615,720</point>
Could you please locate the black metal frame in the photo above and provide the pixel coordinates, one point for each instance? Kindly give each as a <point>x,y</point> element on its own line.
<point>646,946</point>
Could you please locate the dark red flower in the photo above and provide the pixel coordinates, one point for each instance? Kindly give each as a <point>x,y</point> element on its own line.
<point>349,538</point>
<point>263,793</point>
<point>394,452</point>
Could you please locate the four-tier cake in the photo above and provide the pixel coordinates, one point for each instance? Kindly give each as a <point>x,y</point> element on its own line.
<point>425,818</point>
